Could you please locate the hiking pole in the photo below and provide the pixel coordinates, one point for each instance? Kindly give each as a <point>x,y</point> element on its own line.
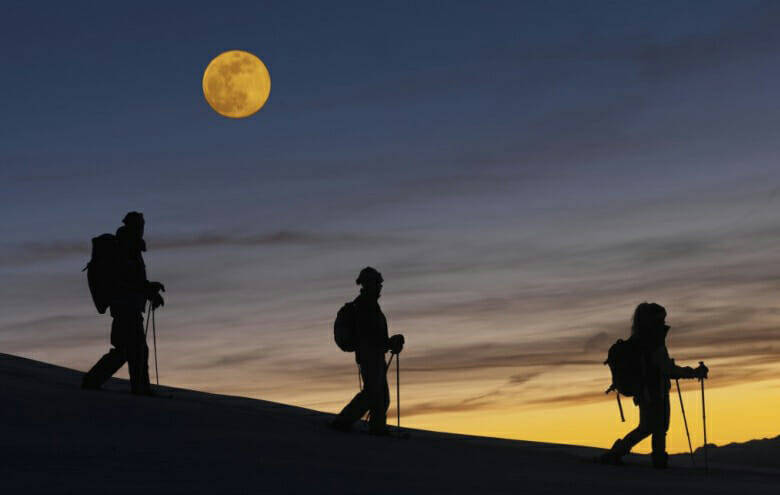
<point>687,433</point>
<point>154,337</point>
<point>387,367</point>
<point>704,423</point>
<point>142,343</point>
<point>620,406</point>
<point>398,391</point>
<point>148,314</point>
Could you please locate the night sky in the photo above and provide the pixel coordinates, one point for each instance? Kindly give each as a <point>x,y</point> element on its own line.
<point>522,173</point>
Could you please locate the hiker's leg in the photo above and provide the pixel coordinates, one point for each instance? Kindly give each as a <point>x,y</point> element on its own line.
<point>110,363</point>
<point>139,382</point>
<point>137,351</point>
<point>642,431</point>
<point>357,407</point>
<point>104,369</point>
<point>376,389</point>
<point>624,445</point>
<point>379,404</point>
<point>661,426</point>
<point>353,411</point>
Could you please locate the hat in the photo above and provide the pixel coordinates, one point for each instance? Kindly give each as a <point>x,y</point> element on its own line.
<point>133,217</point>
<point>368,274</point>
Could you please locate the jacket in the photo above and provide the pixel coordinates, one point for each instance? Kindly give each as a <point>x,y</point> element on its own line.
<point>371,328</point>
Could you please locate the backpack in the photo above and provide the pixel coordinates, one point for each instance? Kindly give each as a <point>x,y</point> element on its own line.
<point>625,361</point>
<point>345,328</point>
<point>102,270</point>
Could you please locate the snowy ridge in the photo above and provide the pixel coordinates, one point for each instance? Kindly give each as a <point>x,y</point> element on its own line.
<point>57,438</point>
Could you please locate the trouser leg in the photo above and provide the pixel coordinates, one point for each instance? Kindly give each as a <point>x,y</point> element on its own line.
<point>128,336</point>
<point>374,397</point>
<point>377,392</point>
<point>661,426</point>
<point>380,402</point>
<point>623,446</point>
<point>659,441</point>
<point>649,417</point>
<point>355,410</point>
<point>138,366</point>
<point>658,422</point>
<point>137,354</point>
<point>110,362</point>
<point>104,369</point>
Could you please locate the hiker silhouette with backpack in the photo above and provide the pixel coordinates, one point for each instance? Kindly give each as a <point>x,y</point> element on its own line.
<point>117,281</point>
<point>641,368</point>
<point>361,327</point>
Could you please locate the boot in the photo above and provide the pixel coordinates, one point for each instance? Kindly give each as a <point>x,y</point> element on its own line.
<point>660,460</point>
<point>613,455</point>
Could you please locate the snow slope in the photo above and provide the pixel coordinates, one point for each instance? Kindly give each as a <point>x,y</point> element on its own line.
<point>56,438</point>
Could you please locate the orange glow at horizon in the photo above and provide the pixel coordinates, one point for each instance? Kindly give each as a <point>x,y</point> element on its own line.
<point>735,413</point>
<point>598,425</point>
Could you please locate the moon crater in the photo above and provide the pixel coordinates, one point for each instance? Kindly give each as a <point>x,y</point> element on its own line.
<point>236,84</point>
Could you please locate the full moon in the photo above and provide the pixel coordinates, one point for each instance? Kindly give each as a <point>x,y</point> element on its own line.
<point>236,84</point>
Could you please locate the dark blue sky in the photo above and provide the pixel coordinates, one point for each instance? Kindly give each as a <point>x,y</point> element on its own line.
<point>522,173</point>
<point>110,95</point>
<point>349,81</point>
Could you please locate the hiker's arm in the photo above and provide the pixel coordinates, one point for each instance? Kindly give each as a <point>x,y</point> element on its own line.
<point>675,371</point>
<point>700,371</point>
<point>669,368</point>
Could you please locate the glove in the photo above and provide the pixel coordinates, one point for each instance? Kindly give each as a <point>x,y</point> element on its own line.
<point>153,294</point>
<point>396,343</point>
<point>701,371</point>
<point>156,286</point>
<point>157,300</point>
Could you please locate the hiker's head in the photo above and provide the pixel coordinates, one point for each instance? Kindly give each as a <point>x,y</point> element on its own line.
<point>134,222</point>
<point>131,234</point>
<point>648,317</point>
<point>370,281</point>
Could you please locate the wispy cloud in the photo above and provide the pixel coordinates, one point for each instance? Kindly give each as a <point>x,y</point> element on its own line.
<point>40,251</point>
<point>750,34</point>
<point>476,403</point>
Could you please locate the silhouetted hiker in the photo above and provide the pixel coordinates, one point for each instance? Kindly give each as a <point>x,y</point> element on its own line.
<point>656,369</point>
<point>118,280</point>
<point>362,327</point>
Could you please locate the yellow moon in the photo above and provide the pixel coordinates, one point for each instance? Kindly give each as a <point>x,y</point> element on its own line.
<point>236,84</point>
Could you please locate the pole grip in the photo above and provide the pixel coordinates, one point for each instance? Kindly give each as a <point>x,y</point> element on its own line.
<point>620,407</point>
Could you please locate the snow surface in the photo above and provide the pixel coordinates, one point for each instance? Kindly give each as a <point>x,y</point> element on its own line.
<point>57,438</point>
